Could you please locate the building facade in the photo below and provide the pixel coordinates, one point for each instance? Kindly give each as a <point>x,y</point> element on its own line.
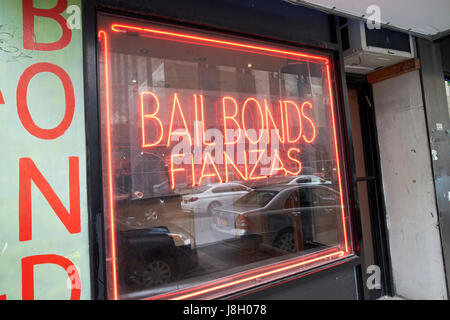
<point>220,150</point>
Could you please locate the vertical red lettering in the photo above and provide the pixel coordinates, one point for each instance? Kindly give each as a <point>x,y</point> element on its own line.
<point>151,116</point>
<point>261,128</point>
<point>288,126</point>
<point>203,174</point>
<point>230,118</point>
<point>177,106</point>
<point>29,172</point>
<point>313,137</point>
<point>228,160</point>
<point>191,157</point>
<point>269,116</point>
<point>277,159</point>
<point>258,160</point>
<point>294,173</point>
<point>196,129</point>
<point>173,170</point>
<point>203,122</point>
<point>30,12</point>
<point>28,264</point>
<point>22,105</point>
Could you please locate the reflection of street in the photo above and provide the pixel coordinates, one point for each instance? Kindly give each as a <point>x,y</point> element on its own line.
<point>215,251</point>
<point>263,224</point>
<point>226,255</point>
<point>155,212</point>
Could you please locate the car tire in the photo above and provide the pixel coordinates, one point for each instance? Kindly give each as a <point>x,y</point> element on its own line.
<point>157,272</point>
<point>285,240</point>
<point>212,206</point>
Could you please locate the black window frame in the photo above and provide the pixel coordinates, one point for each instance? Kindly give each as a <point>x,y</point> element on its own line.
<point>329,43</point>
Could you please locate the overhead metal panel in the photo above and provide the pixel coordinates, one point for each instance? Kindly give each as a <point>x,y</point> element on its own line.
<point>428,19</point>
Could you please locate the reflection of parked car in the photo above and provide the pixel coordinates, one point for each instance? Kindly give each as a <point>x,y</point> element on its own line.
<point>161,188</point>
<point>154,256</point>
<point>308,179</point>
<point>274,213</point>
<point>137,212</point>
<point>212,196</point>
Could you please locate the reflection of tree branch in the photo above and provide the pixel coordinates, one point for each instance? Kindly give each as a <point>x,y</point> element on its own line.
<point>11,36</point>
<point>22,55</point>
<point>4,49</point>
<point>12,51</point>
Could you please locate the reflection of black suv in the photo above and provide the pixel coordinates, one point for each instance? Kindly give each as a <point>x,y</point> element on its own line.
<point>154,256</point>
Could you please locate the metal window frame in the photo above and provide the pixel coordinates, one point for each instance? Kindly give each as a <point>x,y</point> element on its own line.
<point>90,10</point>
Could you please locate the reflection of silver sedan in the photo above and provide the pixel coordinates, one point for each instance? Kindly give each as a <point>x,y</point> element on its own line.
<point>273,213</point>
<point>308,179</point>
<point>213,196</point>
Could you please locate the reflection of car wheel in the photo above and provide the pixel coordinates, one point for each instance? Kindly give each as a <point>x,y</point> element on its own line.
<point>212,206</point>
<point>285,241</point>
<point>156,272</point>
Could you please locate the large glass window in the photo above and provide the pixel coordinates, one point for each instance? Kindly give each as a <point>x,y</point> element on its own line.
<point>221,161</point>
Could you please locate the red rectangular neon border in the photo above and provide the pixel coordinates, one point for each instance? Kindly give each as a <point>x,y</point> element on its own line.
<point>230,45</point>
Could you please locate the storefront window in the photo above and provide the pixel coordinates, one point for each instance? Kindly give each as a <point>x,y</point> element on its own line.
<point>221,161</point>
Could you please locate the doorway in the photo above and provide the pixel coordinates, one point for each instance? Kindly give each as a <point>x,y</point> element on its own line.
<point>376,275</point>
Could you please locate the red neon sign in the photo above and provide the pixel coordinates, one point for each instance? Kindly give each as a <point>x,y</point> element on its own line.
<point>235,116</point>
<point>251,119</point>
<point>103,36</point>
<point>151,116</point>
<point>235,113</point>
<point>232,118</point>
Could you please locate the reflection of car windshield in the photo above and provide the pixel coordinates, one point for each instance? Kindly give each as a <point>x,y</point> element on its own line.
<point>199,189</point>
<point>258,197</point>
